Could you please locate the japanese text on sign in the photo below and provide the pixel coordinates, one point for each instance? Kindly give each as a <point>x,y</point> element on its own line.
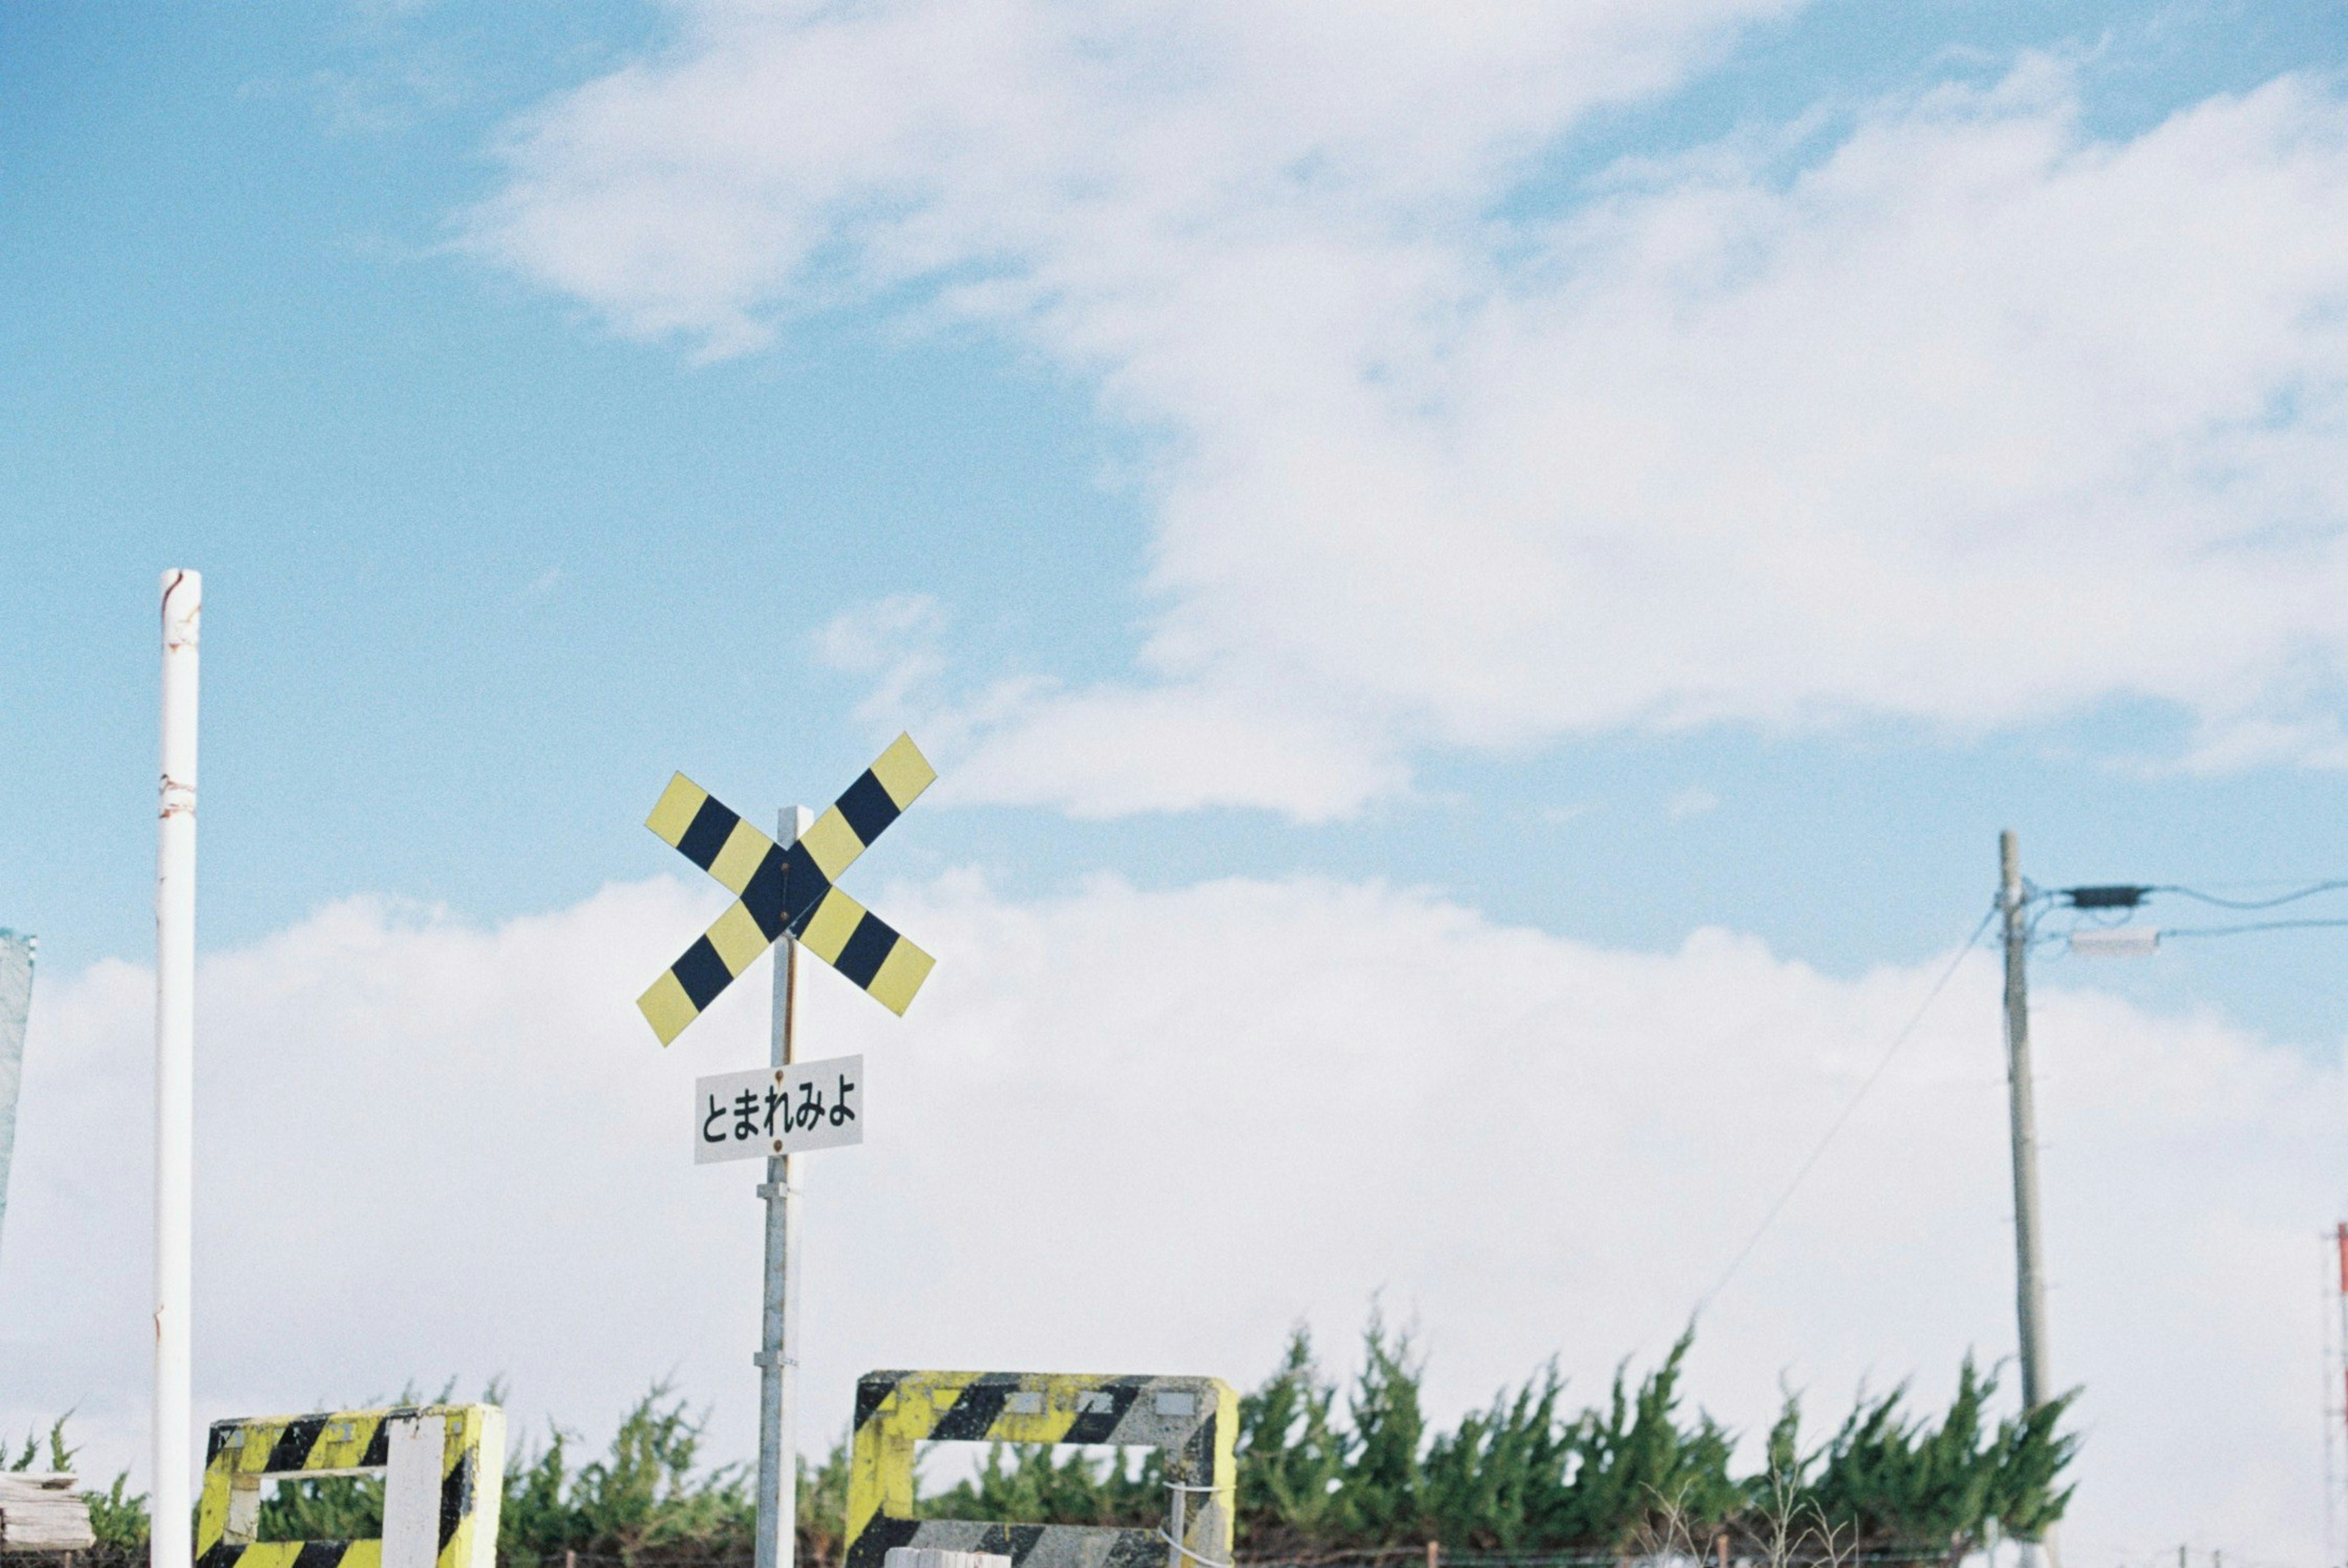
<point>779,1110</point>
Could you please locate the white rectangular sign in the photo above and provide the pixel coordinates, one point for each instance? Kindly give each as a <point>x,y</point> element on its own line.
<point>779,1110</point>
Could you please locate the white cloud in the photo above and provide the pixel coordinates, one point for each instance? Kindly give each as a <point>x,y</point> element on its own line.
<point>1962,416</point>
<point>1104,751</point>
<point>893,643</point>
<point>1147,1131</point>
<point>1694,800</point>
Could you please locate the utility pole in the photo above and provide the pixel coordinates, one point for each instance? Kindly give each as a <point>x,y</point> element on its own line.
<point>2030,1280</point>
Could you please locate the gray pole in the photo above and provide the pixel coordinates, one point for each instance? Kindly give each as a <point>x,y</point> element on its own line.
<point>2030,1280</point>
<point>778,1343</point>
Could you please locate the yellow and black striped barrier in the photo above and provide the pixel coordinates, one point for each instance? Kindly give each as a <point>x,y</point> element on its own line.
<point>780,891</point>
<point>444,1475</point>
<point>1192,1421</point>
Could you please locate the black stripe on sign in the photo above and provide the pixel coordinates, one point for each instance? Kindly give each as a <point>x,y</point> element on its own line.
<point>871,1390</point>
<point>321,1554</point>
<point>456,1498</point>
<point>292,1449</point>
<point>763,894</point>
<point>215,1439</point>
<point>1095,1426</point>
<point>1136,1549</point>
<point>1019,1541</point>
<point>861,957</point>
<point>974,1410</point>
<point>379,1448</point>
<point>221,1555</point>
<point>706,834</point>
<point>871,1549</point>
<point>867,808</point>
<point>804,885</point>
<point>702,973</point>
<point>1199,1453</point>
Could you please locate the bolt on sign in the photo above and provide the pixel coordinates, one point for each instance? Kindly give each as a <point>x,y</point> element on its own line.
<point>789,891</point>
<point>443,1469</point>
<point>775,1111</point>
<point>1192,1421</point>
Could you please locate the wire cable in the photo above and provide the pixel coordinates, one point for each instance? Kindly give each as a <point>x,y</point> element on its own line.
<point>2168,931</point>
<point>2308,892</point>
<point>1866,1085</point>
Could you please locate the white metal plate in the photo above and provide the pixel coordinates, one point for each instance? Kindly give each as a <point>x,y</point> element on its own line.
<point>779,1110</point>
<point>413,1450</point>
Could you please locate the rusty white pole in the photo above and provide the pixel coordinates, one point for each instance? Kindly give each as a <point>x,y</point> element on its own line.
<point>779,1339</point>
<point>170,1542</point>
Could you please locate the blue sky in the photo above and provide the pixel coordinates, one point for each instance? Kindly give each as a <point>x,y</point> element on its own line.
<point>481,573</point>
<point>537,438</point>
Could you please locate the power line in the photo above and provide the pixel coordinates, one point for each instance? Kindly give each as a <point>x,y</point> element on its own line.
<point>2308,891</point>
<point>2101,901</point>
<point>1866,1085</point>
<point>2168,931</point>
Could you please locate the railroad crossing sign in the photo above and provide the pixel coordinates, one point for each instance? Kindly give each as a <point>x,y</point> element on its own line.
<point>791,891</point>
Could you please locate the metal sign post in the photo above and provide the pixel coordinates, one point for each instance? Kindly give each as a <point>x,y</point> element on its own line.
<point>778,1325</point>
<point>784,897</point>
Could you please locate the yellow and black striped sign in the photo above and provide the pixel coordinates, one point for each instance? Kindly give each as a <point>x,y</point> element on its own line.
<point>1191,1421</point>
<point>461,1520</point>
<point>789,891</point>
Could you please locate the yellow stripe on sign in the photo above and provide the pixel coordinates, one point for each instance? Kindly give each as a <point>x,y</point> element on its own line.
<point>832,843</point>
<point>835,921</point>
<point>744,847</point>
<point>901,975</point>
<point>667,1008</point>
<point>903,772</point>
<point>270,1554</point>
<point>676,809</point>
<point>260,1437</point>
<point>475,1433</point>
<point>343,1441</point>
<point>884,1455</point>
<point>870,1477</point>
<point>282,1554</point>
<point>738,939</point>
<point>212,1508</point>
<point>1047,1424</point>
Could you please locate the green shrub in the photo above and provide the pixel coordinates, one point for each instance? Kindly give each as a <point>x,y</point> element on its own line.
<point>1324,1473</point>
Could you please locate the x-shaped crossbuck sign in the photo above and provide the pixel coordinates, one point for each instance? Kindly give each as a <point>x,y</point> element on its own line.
<point>781,891</point>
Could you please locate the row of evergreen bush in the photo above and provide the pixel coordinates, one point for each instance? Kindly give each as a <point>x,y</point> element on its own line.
<point>1326,1475</point>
